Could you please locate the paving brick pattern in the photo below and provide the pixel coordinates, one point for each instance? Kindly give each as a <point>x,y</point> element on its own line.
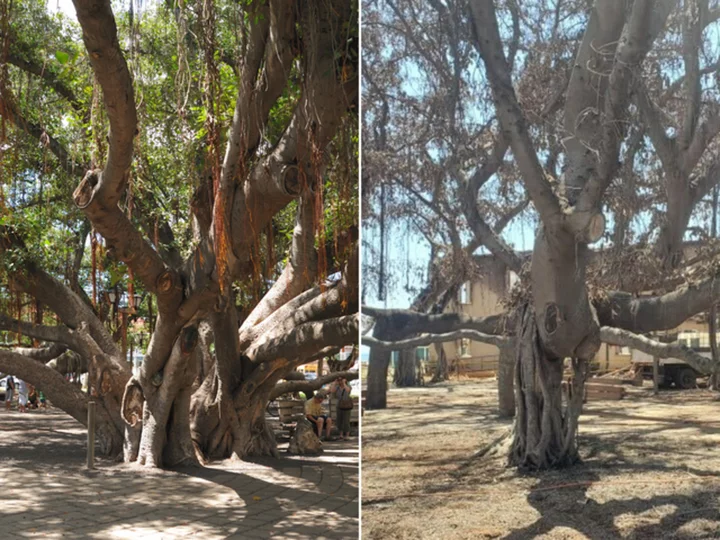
<point>46,491</point>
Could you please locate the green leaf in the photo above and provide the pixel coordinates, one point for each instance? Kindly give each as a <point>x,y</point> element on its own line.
<point>62,57</point>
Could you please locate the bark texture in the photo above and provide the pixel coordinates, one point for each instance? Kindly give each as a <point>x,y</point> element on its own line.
<point>545,428</point>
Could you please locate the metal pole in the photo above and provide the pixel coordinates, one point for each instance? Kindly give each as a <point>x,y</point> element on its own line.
<point>91,436</point>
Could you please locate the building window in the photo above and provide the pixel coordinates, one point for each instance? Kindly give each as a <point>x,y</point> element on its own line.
<point>465,294</point>
<point>422,354</point>
<point>623,351</point>
<point>464,347</point>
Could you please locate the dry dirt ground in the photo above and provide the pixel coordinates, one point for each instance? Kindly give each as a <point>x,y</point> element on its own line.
<point>650,470</point>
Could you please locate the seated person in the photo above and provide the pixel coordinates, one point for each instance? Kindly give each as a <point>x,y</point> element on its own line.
<point>315,412</point>
<point>32,398</point>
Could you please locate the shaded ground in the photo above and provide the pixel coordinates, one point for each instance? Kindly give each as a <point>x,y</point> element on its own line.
<point>651,469</point>
<point>47,492</point>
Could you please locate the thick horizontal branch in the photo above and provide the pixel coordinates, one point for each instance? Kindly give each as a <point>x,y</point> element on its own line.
<point>647,314</point>
<point>310,386</point>
<point>315,304</point>
<point>56,334</point>
<point>60,392</point>
<point>308,339</point>
<point>624,338</point>
<point>401,323</point>
<point>429,339</point>
<point>43,354</point>
<point>71,309</point>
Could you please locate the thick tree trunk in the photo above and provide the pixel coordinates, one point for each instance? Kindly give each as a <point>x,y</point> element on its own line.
<point>442,372</point>
<point>165,439</point>
<point>239,432</point>
<point>377,379</point>
<point>545,430</point>
<point>406,373</point>
<point>255,436</point>
<point>506,370</point>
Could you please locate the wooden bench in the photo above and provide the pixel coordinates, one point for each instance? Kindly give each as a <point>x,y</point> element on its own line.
<point>289,412</point>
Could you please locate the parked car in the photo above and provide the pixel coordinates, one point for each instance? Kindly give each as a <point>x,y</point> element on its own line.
<point>670,370</point>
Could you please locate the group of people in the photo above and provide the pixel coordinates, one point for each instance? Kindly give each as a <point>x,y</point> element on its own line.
<point>318,416</point>
<point>28,397</point>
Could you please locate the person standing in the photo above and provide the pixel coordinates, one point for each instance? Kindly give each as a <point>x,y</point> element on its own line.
<point>9,391</point>
<point>22,391</point>
<point>344,407</point>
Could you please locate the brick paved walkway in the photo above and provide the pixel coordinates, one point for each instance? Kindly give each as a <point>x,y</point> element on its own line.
<point>46,492</point>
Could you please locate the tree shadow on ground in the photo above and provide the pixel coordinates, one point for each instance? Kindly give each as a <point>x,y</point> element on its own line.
<point>48,491</point>
<point>569,505</point>
<point>565,498</point>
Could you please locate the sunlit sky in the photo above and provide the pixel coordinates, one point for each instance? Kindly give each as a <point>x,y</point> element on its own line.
<point>62,6</point>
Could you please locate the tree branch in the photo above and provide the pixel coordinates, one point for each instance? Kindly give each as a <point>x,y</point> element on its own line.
<point>56,334</point>
<point>511,214</point>
<point>402,323</point>
<point>100,190</point>
<point>664,312</point>
<point>38,133</point>
<point>71,309</point>
<point>512,120</point>
<point>48,76</point>
<point>624,338</point>
<point>108,63</point>
<point>300,270</point>
<point>691,41</point>
<point>307,339</point>
<point>646,21</point>
<point>429,339</point>
<point>60,392</point>
<point>310,386</point>
<point>666,148</point>
<point>293,163</point>
<point>43,354</point>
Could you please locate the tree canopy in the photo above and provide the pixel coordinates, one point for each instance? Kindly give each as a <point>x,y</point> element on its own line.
<point>179,179</point>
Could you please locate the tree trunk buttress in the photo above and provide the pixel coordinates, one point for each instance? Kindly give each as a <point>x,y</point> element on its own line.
<point>377,378</point>
<point>165,439</point>
<point>544,434</point>
<point>506,370</point>
<point>406,373</point>
<point>442,373</point>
